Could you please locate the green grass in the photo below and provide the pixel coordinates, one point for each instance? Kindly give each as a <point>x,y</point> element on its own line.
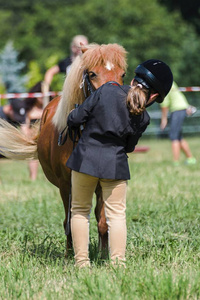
<point>163,246</point>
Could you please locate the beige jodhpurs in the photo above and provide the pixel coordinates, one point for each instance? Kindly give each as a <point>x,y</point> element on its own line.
<point>114,196</point>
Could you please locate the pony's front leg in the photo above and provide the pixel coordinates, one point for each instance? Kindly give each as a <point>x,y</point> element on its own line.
<point>102,225</point>
<point>65,194</point>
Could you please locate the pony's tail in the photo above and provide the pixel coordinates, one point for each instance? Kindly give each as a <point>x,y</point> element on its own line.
<point>16,145</point>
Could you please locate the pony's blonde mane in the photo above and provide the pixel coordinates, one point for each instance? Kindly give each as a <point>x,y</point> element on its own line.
<point>95,55</point>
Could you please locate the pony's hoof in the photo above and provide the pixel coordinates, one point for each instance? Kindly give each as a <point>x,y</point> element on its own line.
<point>69,253</point>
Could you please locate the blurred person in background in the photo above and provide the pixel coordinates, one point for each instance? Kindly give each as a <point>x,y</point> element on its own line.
<point>25,113</point>
<point>64,65</point>
<point>14,112</point>
<point>178,106</point>
<point>34,110</point>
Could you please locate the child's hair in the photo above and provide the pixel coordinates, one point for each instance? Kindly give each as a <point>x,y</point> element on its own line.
<point>137,98</point>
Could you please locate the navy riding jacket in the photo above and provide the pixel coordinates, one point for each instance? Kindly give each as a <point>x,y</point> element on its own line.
<point>110,132</point>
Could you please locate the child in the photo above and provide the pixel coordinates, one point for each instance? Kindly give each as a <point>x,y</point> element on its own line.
<point>114,118</point>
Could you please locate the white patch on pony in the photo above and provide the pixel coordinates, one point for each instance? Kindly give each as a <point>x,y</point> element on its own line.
<point>109,66</point>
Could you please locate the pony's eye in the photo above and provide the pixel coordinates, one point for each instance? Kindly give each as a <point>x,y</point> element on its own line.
<point>124,74</point>
<point>92,75</point>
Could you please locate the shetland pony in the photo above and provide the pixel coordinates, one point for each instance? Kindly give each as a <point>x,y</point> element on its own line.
<point>97,65</point>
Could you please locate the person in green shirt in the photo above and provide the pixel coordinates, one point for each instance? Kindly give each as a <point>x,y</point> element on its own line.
<point>176,103</point>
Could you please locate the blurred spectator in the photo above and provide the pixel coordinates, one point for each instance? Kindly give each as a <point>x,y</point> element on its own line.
<point>176,103</point>
<point>64,65</point>
<point>14,112</point>
<point>25,113</point>
<point>34,110</point>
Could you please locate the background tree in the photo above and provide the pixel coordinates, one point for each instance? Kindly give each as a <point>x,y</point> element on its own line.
<point>190,10</point>
<point>10,70</point>
<point>147,29</point>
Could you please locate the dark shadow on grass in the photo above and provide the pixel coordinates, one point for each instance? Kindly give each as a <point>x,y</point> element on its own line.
<point>47,251</point>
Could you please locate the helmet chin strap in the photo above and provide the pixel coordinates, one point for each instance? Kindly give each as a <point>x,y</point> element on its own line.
<point>153,97</point>
<point>150,103</point>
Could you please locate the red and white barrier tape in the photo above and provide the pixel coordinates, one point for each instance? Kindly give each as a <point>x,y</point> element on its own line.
<point>53,94</point>
<point>28,95</point>
<point>190,89</point>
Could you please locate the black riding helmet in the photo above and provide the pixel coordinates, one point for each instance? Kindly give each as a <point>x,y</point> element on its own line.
<point>155,74</point>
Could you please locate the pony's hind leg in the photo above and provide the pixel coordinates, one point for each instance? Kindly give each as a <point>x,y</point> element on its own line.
<point>102,226</point>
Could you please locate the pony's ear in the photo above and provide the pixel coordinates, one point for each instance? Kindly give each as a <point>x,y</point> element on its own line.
<point>83,48</point>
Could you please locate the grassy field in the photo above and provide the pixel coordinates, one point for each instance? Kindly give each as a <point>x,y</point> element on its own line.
<point>163,248</point>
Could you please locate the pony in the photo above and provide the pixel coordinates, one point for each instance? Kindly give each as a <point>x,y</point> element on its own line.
<point>97,65</point>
